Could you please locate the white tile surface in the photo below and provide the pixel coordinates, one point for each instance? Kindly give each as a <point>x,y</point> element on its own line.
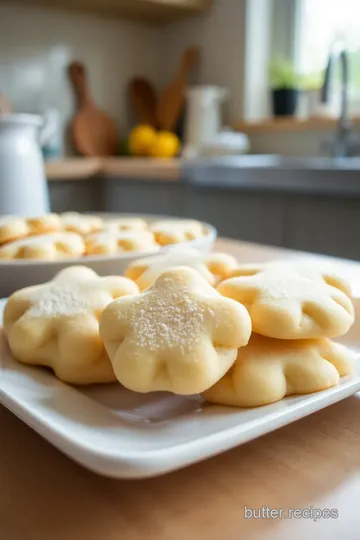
<point>37,44</point>
<point>220,35</point>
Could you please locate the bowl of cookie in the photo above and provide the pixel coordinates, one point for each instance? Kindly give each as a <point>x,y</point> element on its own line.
<point>33,250</point>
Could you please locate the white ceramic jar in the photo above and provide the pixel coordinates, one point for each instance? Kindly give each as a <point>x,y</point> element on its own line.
<point>23,186</point>
<point>203,116</point>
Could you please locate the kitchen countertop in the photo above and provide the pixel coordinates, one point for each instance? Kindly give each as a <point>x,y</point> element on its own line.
<point>85,168</point>
<point>72,168</point>
<point>250,172</point>
<point>313,462</point>
<point>260,173</point>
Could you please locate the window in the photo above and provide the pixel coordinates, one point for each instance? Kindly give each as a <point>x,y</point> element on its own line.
<point>321,24</point>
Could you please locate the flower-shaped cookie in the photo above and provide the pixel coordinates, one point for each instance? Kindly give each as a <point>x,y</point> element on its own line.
<point>266,370</point>
<point>146,271</point>
<point>81,223</point>
<point>180,335</point>
<point>49,247</point>
<point>220,264</point>
<point>44,224</point>
<point>111,242</point>
<point>16,227</point>
<point>291,301</point>
<point>57,324</point>
<point>126,224</point>
<point>173,231</point>
<point>12,228</point>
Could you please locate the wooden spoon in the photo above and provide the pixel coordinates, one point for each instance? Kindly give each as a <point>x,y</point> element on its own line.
<point>172,99</point>
<point>5,107</point>
<point>94,133</point>
<point>144,101</point>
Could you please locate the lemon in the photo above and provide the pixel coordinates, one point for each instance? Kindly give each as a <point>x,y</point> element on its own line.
<point>165,145</point>
<point>141,140</point>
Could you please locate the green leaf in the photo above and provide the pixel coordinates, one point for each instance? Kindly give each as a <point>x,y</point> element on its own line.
<point>283,75</point>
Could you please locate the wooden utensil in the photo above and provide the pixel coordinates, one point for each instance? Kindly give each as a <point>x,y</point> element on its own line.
<point>5,107</point>
<point>143,100</point>
<point>172,99</point>
<point>93,131</point>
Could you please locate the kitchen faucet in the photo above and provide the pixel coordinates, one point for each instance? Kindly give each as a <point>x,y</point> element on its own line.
<point>340,145</point>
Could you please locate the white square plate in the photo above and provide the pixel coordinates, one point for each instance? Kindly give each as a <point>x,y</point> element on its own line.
<point>119,433</point>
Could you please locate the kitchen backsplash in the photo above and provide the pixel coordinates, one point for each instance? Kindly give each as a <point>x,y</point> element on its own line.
<point>220,35</point>
<point>36,45</point>
<point>34,55</point>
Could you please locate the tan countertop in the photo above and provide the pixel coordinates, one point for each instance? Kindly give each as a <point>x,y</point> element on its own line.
<point>312,462</point>
<point>291,124</point>
<point>84,168</point>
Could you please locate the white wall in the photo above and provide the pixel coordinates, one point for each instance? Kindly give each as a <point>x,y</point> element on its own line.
<point>220,35</point>
<point>36,45</point>
<point>257,55</point>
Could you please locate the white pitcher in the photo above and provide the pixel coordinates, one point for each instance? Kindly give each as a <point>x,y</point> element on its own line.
<point>23,186</point>
<point>203,116</point>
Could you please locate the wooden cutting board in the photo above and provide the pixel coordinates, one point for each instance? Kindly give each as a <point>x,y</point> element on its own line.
<point>172,99</point>
<point>94,132</point>
<point>144,101</point>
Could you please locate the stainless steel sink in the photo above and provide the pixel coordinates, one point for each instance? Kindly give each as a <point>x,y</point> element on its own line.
<point>273,172</point>
<point>272,161</point>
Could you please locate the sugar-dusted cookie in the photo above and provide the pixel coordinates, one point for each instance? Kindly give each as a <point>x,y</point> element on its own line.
<point>126,224</point>
<point>221,264</point>
<point>12,228</point>
<point>44,224</point>
<point>81,223</point>
<point>266,370</point>
<point>291,300</point>
<point>16,227</point>
<point>173,231</point>
<point>57,324</point>
<point>111,242</point>
<point>180,335</point>
<point>146,271</point>
<point>48,247</point>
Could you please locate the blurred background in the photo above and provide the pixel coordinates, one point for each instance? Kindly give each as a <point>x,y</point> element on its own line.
<point>243,113</point>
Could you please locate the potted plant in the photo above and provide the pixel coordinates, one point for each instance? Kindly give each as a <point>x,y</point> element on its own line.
<point>285,87</point>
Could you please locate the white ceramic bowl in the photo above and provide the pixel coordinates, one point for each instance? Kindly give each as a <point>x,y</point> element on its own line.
<point>17,274</point>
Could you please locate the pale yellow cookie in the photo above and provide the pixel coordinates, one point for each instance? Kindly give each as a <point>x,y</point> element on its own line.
<point>173,231</point>
<point>266,370</point>
<point>221,264</point>
<point>111,242</point>
<point>81,223</point>
<point>57,324</point>
<point>12,228</point>
<point>49,247</point>
<point>146,271</point>
<point>44,224</point>
<point>291,301</point>
<point>126,224</point>
<point>17,227</point>
<point>180,335</point>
